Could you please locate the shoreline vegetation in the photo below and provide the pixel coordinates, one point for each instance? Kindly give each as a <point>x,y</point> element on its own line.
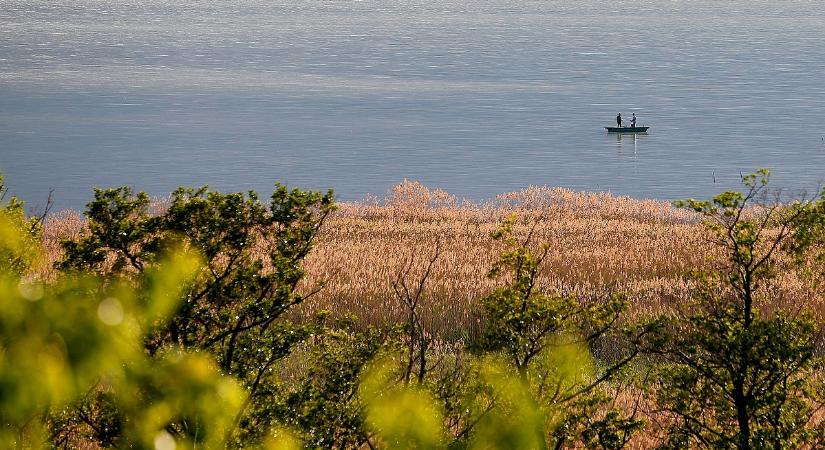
<point>544,318</point>
<point>599,242</point>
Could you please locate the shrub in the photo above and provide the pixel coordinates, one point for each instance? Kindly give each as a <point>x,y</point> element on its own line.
<point>735,376</point>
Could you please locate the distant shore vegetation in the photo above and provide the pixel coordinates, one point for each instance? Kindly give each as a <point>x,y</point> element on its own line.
<point>544,318</point>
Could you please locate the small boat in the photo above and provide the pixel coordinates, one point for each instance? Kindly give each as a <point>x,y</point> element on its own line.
<point>626,129</point>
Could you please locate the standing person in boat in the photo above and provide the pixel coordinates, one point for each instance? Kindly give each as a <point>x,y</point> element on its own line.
<point>619,119</point>
<point>633,121</point>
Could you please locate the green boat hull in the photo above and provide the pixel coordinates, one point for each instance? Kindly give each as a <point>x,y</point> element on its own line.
<point>626,129</point>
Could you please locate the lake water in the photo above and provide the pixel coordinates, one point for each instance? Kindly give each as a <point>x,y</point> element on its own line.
<point>478,97</point>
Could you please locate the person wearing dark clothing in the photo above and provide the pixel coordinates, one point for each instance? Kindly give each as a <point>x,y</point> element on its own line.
<point>619,119</point>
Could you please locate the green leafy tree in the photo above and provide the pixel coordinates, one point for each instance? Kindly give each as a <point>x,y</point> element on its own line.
<point>735,376</point>
<point>540,333</point>
<point>233,308</point>
<point>325,407</point>
<point>21,239</point>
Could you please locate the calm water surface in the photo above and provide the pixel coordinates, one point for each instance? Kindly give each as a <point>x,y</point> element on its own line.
<point>476,97</point>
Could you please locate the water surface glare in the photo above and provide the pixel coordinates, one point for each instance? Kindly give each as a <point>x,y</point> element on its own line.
<point>476,97</point>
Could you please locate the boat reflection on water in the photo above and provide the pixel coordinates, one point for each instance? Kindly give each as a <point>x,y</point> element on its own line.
<point>627,161</point>
<point>625,140</point>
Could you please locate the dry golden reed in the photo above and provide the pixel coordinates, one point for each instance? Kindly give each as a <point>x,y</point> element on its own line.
<point>599,242</point>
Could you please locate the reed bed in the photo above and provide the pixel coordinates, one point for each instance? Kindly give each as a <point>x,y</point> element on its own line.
<point>599,243</point>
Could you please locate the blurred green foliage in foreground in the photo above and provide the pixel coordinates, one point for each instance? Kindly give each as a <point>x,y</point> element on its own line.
<point>64,339</point>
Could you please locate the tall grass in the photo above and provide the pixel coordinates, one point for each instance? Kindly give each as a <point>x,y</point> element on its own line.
<point>600,242</point>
